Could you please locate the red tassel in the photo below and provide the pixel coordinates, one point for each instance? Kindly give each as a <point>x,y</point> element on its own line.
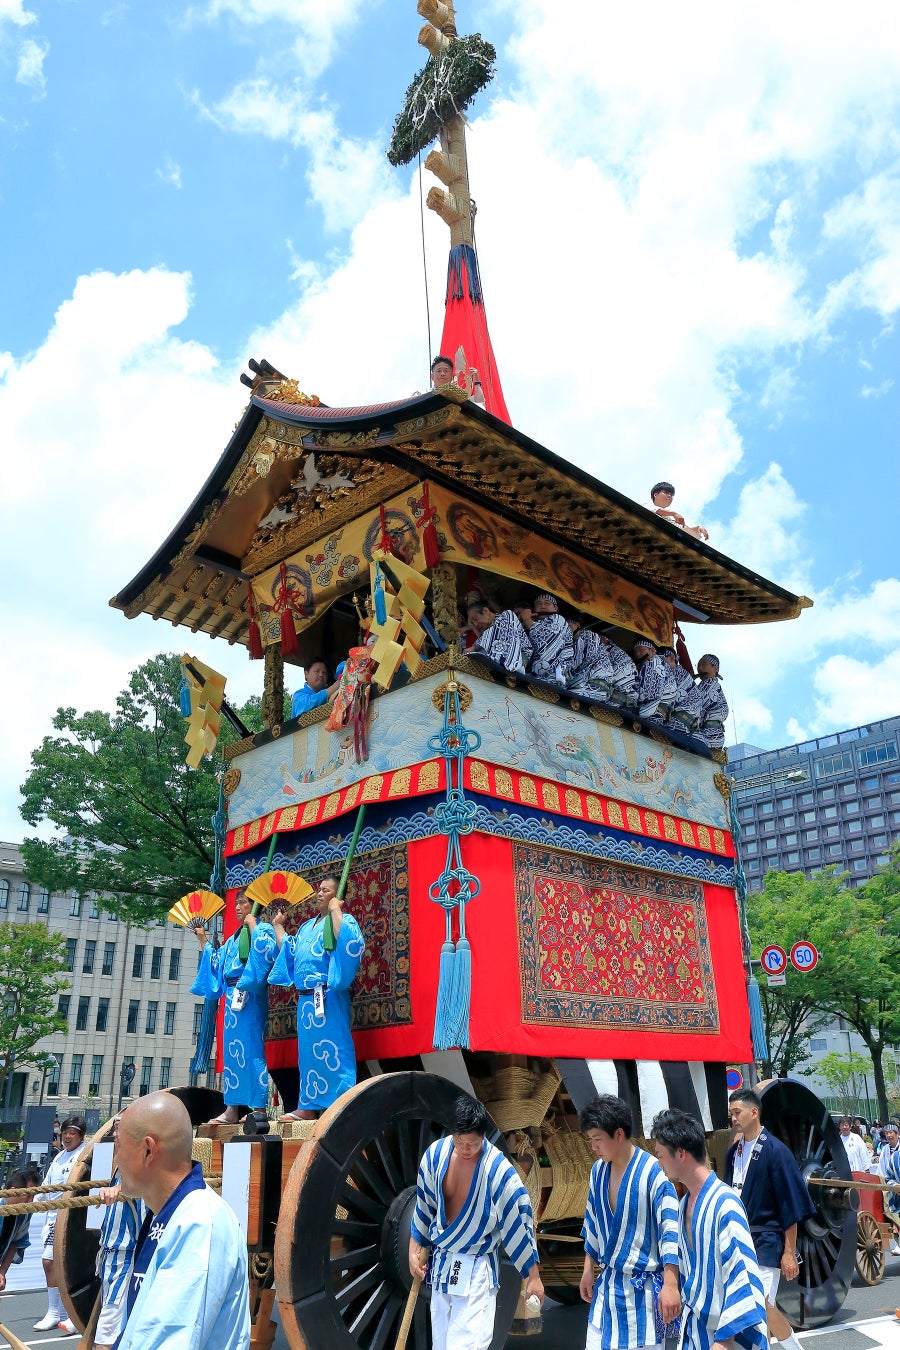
<point>430,545</point>
<point>254,636</point>
<point>385,537</point>
<point>681,652</point>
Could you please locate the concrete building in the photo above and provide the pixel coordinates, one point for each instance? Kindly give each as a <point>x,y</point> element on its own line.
<point>832,800</point>
<point>128,1001</point>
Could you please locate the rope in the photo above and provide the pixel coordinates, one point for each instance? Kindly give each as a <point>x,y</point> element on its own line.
<point>424,260</point>
<point>73,1201</point>
<point>55,1189</point>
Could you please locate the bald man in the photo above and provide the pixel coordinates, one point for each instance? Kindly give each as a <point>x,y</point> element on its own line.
<point>188,1289</point>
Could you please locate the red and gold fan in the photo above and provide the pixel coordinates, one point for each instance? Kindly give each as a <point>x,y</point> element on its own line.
<point>285,887</point>
<point>196,908</point>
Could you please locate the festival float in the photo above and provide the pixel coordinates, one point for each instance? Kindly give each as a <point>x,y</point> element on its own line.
<point>550,890</point>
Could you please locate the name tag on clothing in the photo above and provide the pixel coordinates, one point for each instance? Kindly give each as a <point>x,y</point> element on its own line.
<point>460,1274</point>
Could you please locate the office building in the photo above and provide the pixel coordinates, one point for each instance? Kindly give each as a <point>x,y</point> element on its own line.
<point>128,1001</point>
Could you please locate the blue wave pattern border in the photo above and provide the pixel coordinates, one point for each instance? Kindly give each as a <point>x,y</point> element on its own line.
<point>506,824</point>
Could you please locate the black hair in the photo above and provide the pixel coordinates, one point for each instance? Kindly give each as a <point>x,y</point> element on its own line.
<point>843,1119</point>
<point>607,1113</point>
<point>676,1129</point>
<point>746,1096</point>
<point>29,1175</point>
<point>331,876</point>
<point>661,487</point>
<point>442,361</point>
<point>74,1123</point>
<point>470,1116</point>
<point>315,661</point>
<point>667,651</point>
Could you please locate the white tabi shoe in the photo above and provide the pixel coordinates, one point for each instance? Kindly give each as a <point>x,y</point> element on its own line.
<point>48,1322</point>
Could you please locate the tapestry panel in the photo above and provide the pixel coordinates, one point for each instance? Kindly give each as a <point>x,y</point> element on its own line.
<point>605,945</point>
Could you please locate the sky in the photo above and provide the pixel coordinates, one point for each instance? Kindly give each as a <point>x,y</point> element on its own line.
<point>689,234</point>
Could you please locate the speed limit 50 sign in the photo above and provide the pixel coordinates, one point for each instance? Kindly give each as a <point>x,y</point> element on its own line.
<point>804,956</point>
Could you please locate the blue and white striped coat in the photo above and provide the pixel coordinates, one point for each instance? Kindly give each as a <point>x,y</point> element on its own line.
<point>630,1244</point>
<point>118,1237</point>
<point>496,1212</point>
<point>721,1289</point>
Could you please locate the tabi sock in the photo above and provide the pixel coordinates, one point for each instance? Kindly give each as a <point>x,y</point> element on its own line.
<point>791,1343</point>
<point>54,1303</point>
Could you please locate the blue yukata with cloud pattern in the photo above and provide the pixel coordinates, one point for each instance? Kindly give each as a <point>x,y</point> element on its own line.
<point>245,1078</point>
<point>325,1054</point>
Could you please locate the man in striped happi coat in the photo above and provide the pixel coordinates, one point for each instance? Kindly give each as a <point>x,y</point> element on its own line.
<point>469,1202</point>
<point>118,1239</point>
<point>630,1231</point>
<point>721,1290</point>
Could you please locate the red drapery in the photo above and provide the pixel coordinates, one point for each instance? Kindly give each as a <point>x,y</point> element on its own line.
<point>465,327</point>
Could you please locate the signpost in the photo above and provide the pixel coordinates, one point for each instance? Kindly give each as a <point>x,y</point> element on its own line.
<point>734,1079</point>
<point>804,956</point>
<point>774,960</point>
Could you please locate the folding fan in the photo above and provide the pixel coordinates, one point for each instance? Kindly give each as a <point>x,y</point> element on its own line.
<point>286,887</point>
<point>198,906</point>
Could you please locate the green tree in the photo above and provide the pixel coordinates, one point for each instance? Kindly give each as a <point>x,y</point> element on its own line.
<point>32,964</point>
<point>845,1073</point>
<point>133,821</point>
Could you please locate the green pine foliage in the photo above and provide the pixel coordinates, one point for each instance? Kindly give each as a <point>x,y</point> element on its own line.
<point>445,87</point>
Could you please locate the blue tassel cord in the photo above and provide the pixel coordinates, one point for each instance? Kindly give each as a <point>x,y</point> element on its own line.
<point>184,695</point>
<point>456,885</point>
<point>200,1063</point>
<point>754,998</point>
<point>380,602</point>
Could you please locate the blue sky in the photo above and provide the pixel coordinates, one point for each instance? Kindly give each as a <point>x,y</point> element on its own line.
<point>688,229</point>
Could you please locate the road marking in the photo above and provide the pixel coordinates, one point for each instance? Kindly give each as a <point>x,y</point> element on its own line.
<point>871,1326</point>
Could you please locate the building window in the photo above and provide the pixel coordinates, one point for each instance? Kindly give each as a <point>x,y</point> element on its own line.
<point>860,865</point>
<point>751,847</point>
<point>813,854</point>
<point>832,831</point>
<point>745,813</point>
<point>766,808</point>
<point>832,764</point>
<point>826,795</point>
<point>810,836</point>
<point>75,1076</point>
<point>878,841</point>
<point>96,1071</point>
<point>81,1017</point>
<point>62,1007</point>
<point>71,953</point>
<point>808,817</point>
<point>854,827</point>
<point>102,1013</point>
<point>24,896</point>
<point>771,845</point>
<point>4,893</point>
<point>833,850</point>
<point>768,827</point>
<point>165,1070</point>
<point>43,900</point>
<point>146,1072</point>
<point>109,956</point>
<point>156,963</point>
<point>788,822</point>
<point>894,798</point>
<point>789,839</point>
<point>133,1006</point>
<point>869,784</point>
<point>818,1043</point>
<point>851,808</point>
<point>856,846</point>
<point>198,1019</point>
<point>830,813</point>
<point>94,911</point>
<point>90,952</point>
<point>892,778</point>
<point>748,831</point>
<point>792,859</point>
<point>848,789</point>
<point>75,907</point>
<point>150,1026</point>
<point>875,822</point>
<point>877,754</point>
<point>137,963</point>
<point>169,1024</point>
<point>805,799</point>
<point>53,1076</point>
<point>174,963</point>
<point>211,1073</point>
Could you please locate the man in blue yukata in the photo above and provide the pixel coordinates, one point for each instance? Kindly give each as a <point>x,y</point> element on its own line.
<point>631,1232</point>
<point>764,1173</point>
<point>723,1304</point>
<point>188,1288</point>
<point>316,691</point>
<point>470,1201</point>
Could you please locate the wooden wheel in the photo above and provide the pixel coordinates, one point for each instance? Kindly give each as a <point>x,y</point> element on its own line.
<point>870,1258</point>
<point>341,1246</point>
<point>826,1243</point>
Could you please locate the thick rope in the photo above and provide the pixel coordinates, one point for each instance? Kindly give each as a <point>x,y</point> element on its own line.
<point>55,1190</point>
<point>70,1201</point>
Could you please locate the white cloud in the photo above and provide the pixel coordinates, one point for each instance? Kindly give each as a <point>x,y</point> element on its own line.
<point>30,64</point>
<point>877,390</point>
<point>13,11</point>
<point>850,691</point>
<point>170,172</point>
<point>315,26</point>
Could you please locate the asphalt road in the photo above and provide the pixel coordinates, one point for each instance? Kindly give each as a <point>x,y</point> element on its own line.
<point>865,1322</point>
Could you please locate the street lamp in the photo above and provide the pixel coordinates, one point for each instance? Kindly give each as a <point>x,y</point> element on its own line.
<point>126,1078</point>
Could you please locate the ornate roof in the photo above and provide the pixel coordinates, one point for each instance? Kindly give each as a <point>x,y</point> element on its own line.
<point>293,471</point>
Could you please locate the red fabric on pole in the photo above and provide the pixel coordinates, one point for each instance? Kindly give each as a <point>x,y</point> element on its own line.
<point>465,329</point>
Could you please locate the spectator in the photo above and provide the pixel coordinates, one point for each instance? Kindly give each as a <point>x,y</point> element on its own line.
<point>858,1155</point>
<point>889,1170</point>
<point>442,374</point>
<point>14,1251</point>
<point>316,691</point>
<point>713,707</point>
<point>188,1287</point>
<point>72,1132</point>
<point>118,1238</point>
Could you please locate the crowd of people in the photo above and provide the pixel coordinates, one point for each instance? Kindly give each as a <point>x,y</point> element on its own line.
<point>535,638</point>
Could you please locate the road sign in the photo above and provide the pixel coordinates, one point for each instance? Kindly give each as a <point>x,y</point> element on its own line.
<point>804,956</point>
<point>776,979</point>
<point>774,959</point>
<point>734,1079</point>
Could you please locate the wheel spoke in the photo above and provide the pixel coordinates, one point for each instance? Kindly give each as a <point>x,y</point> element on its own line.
<point>420,1327</point>
<point>809,1139</point>
<point>386,1323</point>
<point>386,1157</point>
<point>408,1164</point>
<point>363,1256</point>
<point>361,1285</point>
<point>352,1228</point>
<point>360,1203</point>
<point>374,1184</point>
<point>373,1305</point>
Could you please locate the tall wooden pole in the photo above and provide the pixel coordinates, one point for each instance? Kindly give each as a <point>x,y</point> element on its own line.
<point>449,164</point>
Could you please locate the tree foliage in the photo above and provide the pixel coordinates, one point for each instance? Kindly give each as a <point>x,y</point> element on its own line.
<point>845,1073</point>
<point>134,822</point>
<point>32,964</point>
<point>444,87</point>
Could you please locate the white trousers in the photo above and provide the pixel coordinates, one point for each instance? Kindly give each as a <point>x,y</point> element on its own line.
<point>770,1276</point>
<point>465,1321</point>
<point>593,1341</point>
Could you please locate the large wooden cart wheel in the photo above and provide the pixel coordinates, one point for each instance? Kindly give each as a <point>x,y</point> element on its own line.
<point>826,1243</point>
<point>342,1242</point>
<point>870,1258</point>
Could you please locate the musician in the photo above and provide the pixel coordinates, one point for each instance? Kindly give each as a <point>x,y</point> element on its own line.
<point>243,984</point>
<point>325,1053</point>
